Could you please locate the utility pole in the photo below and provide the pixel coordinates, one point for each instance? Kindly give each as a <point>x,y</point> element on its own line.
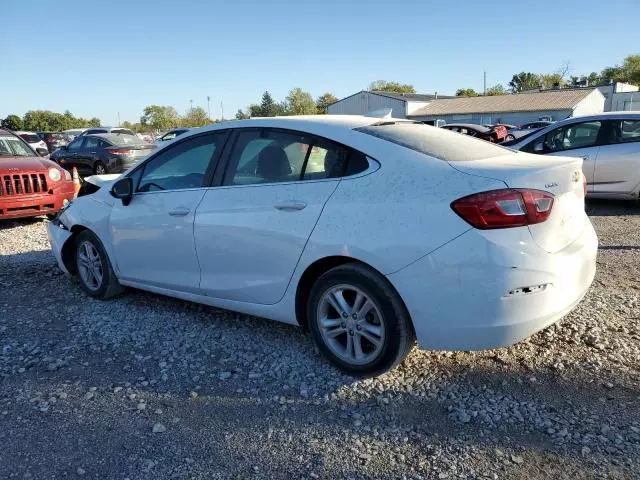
<point>221,111</point>
<point>484,91</point>
<point>118,118</point>
<point>208,107</point>
<point>190,105</point>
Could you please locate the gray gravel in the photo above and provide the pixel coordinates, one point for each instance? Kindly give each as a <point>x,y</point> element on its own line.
<point>150,387</point>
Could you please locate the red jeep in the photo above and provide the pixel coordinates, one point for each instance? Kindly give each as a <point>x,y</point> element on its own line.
<point>29,185</point>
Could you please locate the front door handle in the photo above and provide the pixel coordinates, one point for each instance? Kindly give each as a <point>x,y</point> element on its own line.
<point>179,212</point>
<point>290,206</point>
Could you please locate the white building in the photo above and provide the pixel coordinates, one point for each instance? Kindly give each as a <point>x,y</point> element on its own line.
<point>620,96</point>
<point>516,109</point>
<point>363,102</point>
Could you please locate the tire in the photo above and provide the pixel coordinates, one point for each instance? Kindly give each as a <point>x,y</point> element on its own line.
<point>386,321</point>
<point>99,168</point>
<point>105,284</point>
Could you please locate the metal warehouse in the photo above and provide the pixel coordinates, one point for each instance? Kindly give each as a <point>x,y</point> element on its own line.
<point>363,102</point>
<point>514,109</point>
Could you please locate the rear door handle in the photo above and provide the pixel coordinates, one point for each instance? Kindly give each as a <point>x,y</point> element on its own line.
<point>179,212</point>
<point>290,206</point>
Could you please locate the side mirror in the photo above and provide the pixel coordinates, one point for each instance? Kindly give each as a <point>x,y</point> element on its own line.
<point>538,147</point>
<point>123,189</point>
<point>43,152</point>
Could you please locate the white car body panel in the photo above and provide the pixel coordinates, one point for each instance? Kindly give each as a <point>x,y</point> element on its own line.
<point>234,250</point>
<point>152,239</point>
<point>249,238</point>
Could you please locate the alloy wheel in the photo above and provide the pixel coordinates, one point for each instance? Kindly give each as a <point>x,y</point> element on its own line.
<point>90,265</point>
<point>351,324</point>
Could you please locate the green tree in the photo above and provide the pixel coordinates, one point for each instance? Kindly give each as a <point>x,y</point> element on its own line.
<point>159,117</point>
<point>196,117</point>
<point>13,122</point>
<point>628,72</point>
<point>496,90</point>
<point>268,107</point>
<point>299,102</point>
<point>94,122</point>
<point>240,115</point>
<point>466,92</point>
<point>524,81</point>
<point>393,87</point>
<point>323,101</point>
<point>549,80</point>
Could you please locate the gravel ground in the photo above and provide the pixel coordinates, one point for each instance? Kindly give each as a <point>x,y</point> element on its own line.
<point>150,387</point>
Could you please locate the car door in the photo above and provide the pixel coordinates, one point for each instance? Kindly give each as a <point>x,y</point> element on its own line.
<point>68,156</point>
<point>251,230</point>
<point>618,165</point>
<point>577,139</point>
<point>85,156</point>
<point>152,236</point>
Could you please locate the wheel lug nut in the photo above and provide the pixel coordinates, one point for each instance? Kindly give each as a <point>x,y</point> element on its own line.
<point>350,332</point>
<point>345,315</point>
<point>358,327</point>
<point>355,316</point>
<point>343,325</point>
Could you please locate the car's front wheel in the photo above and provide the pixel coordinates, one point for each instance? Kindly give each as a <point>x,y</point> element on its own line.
<point>358,321</point>
<point>99,168</point>
<point>96,275</point>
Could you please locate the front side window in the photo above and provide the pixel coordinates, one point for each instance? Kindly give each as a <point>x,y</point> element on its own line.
<point>624,131</point>
<point>76,144</point>
<point>569,137</point>
<point>91,143</point>
<point>181,166</point>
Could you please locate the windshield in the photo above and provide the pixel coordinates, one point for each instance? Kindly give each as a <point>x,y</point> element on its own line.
<point>13,146</point>
<point>122,139</point>
<point>30,137</point>
<point>436,142</point>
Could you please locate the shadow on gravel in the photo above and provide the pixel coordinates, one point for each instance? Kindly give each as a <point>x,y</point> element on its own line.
<point>599,207</point>
<point>20,222</point>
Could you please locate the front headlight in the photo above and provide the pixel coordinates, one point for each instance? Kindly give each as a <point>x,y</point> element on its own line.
<point>54,174</point>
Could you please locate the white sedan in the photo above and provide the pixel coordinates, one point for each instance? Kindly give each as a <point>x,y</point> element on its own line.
<point>370,233</point>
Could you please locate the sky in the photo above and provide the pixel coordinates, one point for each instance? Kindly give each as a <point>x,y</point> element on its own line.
<point>101,59</point>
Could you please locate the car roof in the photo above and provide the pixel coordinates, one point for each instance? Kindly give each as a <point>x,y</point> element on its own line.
<point>24,132</point>
<point>474,126</point>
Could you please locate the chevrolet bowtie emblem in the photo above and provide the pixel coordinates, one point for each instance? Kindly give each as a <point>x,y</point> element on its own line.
<point>575,176</point>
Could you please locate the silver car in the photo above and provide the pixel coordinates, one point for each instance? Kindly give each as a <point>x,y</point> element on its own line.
<point>609,144</point>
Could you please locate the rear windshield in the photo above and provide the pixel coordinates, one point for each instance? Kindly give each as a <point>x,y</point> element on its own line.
<point>124,139</point>
<point>435,142</point>
<point>30,137</point>
<point>122,130</point>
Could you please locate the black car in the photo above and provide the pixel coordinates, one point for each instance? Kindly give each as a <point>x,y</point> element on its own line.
<point>102,153</point>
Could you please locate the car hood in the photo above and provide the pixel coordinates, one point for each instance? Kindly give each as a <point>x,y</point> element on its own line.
<point>13,164</point>
<point>102,180</point>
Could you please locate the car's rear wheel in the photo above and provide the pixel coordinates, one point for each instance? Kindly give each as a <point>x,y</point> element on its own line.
<point>358,321</point>
<point>99,168</point>
<point>96,275</point>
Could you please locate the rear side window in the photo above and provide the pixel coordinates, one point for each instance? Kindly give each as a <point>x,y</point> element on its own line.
<point>30,137</point>
<point>270,156</point>
<point>435,142</point>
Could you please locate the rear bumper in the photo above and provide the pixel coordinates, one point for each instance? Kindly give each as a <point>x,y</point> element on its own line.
<point>33,205</point>
<point>492,289</point>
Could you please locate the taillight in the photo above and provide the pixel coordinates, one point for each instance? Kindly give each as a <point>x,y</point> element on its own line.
<point>584,184</point>
<point>505,208</point>
<point>122,152</point>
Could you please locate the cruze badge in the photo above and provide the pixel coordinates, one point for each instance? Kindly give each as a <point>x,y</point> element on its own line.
<point>575,176</point>
<point>551,185</point>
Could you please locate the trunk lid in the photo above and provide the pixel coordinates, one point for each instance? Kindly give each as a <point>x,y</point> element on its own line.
<point>561,176</point>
